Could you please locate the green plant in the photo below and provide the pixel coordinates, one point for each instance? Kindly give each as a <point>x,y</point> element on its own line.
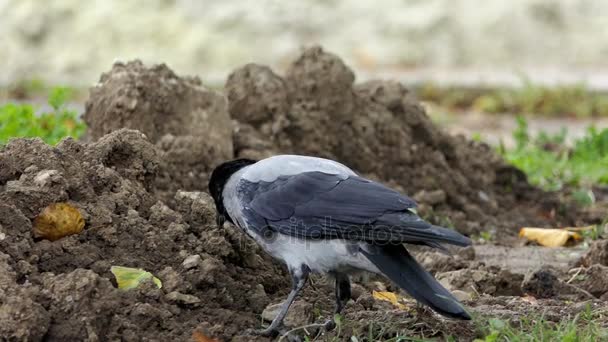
<point>22,120</point>
<point>596,232</point>
<point>582,327</point>
<point>568,100</point>
<point>550,163</point>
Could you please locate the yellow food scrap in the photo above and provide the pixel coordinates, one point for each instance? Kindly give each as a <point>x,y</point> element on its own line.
<point>391,297</point>
<point>130,278</point>
<point>550,237</point>
<point>58,220</point>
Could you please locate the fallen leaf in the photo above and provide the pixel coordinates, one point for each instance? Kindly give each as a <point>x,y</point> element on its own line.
<point>391,297</point>
<point>530,299</point>
<point>550,237</point>
<point>198,336</point>
<point>58,220</point>
<point>130,278</point>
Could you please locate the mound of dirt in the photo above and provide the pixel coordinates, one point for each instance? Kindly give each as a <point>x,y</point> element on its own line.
<point>378,129</point>
<point>63,290</point>
<point>188,123</point>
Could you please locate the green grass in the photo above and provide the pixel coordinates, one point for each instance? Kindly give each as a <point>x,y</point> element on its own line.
<point>587,326</point>
<point>530,98</point>
<point>583,327</point>
<point>21,120</point>
<point>551,164</point>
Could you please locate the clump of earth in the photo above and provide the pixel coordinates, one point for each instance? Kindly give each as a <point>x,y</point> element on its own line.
<point>139,179</point>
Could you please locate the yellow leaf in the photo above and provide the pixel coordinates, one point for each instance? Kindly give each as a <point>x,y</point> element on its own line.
<point>130,278</point>
<point>391,297</point>
<point>549,237</point>
<point>58,220</point>
<point>198,336</point>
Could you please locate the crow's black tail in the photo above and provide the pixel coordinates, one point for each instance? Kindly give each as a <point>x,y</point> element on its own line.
<point>399,266</point>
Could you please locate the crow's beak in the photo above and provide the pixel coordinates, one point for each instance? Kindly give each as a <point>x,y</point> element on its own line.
<point>220,219</point>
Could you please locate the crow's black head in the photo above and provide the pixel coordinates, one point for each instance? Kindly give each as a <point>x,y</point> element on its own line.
<point>219,177</point>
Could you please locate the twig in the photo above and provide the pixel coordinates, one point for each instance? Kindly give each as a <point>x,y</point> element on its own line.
<point>575,275</point>
<point>476,292</point>
<point>581,291</point>
<point>304,327</point>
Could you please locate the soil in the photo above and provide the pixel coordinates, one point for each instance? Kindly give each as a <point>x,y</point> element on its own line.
<point>188,123</point>
<point>139,177</point>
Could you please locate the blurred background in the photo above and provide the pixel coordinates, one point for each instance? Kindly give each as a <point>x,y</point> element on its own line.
<point>459,41</point>
<point>520,75</point>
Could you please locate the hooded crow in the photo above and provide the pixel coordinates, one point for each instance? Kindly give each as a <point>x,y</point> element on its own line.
<point>318,216</point>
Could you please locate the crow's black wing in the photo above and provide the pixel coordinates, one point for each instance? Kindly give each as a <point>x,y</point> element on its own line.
<point>316,205</point>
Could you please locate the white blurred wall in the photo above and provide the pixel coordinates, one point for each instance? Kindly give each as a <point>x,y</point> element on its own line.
<point>73,41</point>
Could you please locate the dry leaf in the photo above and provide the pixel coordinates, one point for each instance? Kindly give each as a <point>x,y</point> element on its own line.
<point>198,336</point>
<point>391,297</point>
<point>130,278</point>
<point>58,220</point>
<point>530,299</point>
<point>550,237</point>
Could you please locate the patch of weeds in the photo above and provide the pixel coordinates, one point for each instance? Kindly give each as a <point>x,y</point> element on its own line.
<point>448,97</point>
<point>21,120</point>
<point>550,164</point>
<point>583,197</point>
<point>376,332</point>
<point>583,327</point>
<point>569,100</point>
<point>596,232</point>
<point>372,332</point>
<point>483,237</point>
<point>26,89</point>
<point>477,137</point>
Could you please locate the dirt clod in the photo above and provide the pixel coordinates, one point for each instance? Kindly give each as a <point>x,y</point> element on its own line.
<point>595,280</point>
<point>542,283</point>
<point>598,254</point>
<point>483,280</point>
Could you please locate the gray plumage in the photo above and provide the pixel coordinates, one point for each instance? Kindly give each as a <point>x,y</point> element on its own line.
<point>317,215</point>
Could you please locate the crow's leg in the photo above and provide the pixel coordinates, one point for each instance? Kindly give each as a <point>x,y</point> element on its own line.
<point>342,297</point>
<point>299,278</point>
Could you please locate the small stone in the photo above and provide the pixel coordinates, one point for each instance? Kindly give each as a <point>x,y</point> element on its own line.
<point>462,295</point>
<point>171,279</point>
<point>44,177</point>
<point>299,313</point>
<point>467,253</point>
<point>181,298</point>
<point>192,261</point>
